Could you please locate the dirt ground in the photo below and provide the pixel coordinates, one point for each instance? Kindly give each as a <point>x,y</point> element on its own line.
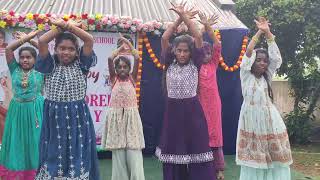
<point>307,159</point>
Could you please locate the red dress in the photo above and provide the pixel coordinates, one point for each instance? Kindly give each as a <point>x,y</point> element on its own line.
<point>210,98</point>
<point>211,105</point>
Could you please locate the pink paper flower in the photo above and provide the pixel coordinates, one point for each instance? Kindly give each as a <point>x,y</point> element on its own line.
<point>145,27</point>
<point>54,15</point>
<point>157,25</point>
<point>149,26</point>
<point>114,21</point>
<point>46,27</point>
<point>127,26</point>
<point>136,21</point>
<point>104,20</point>
<point>140,27</point>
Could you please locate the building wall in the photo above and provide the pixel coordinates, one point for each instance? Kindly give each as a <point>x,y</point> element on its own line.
<point>283,100</point>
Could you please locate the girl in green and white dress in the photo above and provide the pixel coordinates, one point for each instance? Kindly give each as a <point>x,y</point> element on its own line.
<point>263,148</point>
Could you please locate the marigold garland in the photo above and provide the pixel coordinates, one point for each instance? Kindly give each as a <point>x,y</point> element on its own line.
<point>139,75</point>
<point>155,60</point>
<point>222,63</point>
<point>239,61</point>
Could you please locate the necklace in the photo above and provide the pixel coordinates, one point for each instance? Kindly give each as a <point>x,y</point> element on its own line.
<point>24,85</point>
<point>25,78</point>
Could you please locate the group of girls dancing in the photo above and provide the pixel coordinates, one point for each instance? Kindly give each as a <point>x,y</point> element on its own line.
<point>54,138</point>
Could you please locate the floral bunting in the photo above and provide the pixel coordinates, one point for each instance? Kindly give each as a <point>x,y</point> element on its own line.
<point>100,22</point>
<point>91,22</point>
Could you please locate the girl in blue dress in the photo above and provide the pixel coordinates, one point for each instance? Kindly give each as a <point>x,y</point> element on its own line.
<point>68,140</point>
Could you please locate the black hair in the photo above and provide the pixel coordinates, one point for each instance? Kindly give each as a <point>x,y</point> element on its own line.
<point>207,46</point>
<point>128,37</point>
<point>32,51</point>
<point>124,59</point>
<point>185,38</point>
<point>265,75</point>
<point>176,41</point>
<point>67,36</point>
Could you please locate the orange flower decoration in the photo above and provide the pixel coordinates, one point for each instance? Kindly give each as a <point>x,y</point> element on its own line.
<point>239,61</point>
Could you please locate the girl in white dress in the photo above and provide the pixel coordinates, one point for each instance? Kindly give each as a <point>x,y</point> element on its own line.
<point>263,148</point>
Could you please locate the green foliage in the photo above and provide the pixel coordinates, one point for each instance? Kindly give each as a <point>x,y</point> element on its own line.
<point>296,25</point>
<point>298,125</point>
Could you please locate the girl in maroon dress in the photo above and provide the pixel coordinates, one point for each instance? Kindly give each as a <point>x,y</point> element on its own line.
<point>184,144</point>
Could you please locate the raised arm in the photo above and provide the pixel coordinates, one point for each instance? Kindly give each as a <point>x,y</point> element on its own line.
<point>273,50</point>
<point>34,43</point>
<point>274,57</point>
<point>208,22</point>
<point>168,33</point>
<point>74,27</point>
<point>17,43</point>
<point>135,66</point>
<point>263,26</point>
<point>112,71</point>
<point>19,35</point>
<point>134,53</point>
<point>253,43</point>
<point>186,15</point>
<point>47,37</point>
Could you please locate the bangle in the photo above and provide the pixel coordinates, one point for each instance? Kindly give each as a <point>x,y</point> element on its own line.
<point>115,53</point>
<point>134,52</point>
<point>59,29</point>
<point>270,40</point>
<point>65,26</point>
<point>213,34</point>
<point>21,41</point>
<point>69,26</point>
<point>255,39</point>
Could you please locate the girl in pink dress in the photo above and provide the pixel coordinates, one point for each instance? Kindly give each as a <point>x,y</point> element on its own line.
<point>209,94</point>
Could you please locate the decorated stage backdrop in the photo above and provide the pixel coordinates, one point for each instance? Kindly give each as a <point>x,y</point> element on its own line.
<point>151,100</point>
<point>150,86</point>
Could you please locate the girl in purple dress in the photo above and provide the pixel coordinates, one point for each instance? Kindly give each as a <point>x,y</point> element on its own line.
<point>184,145</point>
